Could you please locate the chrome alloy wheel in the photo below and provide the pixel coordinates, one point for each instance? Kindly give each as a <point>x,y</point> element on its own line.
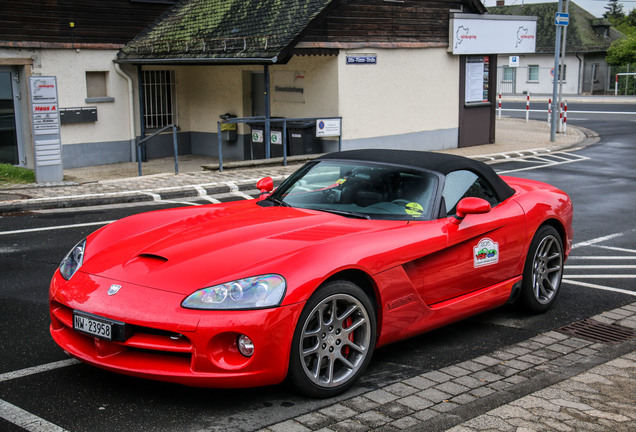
<point>335,340</point>
<point>547,269</point>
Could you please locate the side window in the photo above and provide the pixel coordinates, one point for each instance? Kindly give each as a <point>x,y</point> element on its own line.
<point>462,184</point>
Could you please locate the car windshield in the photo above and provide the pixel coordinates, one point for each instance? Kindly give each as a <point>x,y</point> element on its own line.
<point>358,189</point>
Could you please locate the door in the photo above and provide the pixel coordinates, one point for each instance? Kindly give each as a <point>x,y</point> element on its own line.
<point>9,132</point>
<point>483,250</point>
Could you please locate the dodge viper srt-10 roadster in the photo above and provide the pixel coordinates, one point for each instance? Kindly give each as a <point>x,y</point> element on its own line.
<point>354,251</point>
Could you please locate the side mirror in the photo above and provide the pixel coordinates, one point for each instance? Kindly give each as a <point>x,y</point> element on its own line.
<point>470,205</point>
<point>265,185</point>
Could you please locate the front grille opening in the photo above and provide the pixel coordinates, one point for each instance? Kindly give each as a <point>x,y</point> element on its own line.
<point>596,331</point>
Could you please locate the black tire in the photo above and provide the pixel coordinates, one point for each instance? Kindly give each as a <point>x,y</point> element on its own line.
<point>543,271</point>
<point>331,351</point>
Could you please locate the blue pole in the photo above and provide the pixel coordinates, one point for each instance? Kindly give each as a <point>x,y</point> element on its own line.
<point>176,149</point>
<point>267,113</point>
<point>220,140</point>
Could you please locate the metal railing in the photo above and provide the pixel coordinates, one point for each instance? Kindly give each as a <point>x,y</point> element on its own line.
<point>267,128</point>
<point>174,144</point>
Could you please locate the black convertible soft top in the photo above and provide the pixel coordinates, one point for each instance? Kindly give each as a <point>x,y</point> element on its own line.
<point>438,162</point>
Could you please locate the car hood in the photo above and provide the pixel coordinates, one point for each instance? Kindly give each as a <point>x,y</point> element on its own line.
<point>183,250</point>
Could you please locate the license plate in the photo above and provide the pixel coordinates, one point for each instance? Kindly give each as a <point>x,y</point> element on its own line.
<point>102,328</point>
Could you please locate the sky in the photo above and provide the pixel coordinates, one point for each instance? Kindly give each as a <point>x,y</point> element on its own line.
<point>595,7</point>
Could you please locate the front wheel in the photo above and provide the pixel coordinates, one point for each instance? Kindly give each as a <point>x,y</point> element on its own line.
<point>333,341</point>
<point>543,270</point>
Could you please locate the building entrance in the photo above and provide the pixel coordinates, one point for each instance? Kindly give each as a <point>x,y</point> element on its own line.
<point>8,130</point>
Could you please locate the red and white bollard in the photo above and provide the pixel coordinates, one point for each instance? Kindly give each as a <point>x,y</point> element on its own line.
<point>528,107</point>
<point>550,110</point>
<point>565,117</point>
<point>499,112</point>
<point>560,128</point>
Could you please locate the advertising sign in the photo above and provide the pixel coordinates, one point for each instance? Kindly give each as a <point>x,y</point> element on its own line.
<point>492,34</point>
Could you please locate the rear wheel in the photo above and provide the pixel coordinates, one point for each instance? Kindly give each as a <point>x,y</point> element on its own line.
<point>543,270</point>
<point>333,341</point>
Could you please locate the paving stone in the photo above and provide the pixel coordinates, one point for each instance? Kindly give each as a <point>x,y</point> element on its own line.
<point>445,407</point>
<point>452,388</point>
<point>530,345</point>
<point>315,420</point>
<point>469,382</point>
<point>546,353</point>
<point>481,392</point>
<point>516,379</point>
<point>360,404</point>
<point>338,412</point>
<point>373,419</point>
<point>455,371</point>
<point>437,376</point>
<point>561,348</point>
<point>502,369</point>
<point>289,426</point>
<point>397,410</point>
<point>463,399</point>
<point>532,359</point>
<point>517,350</point>
<point>503,355</point>
<point>419,382</point>
<point>544,340</point>
<point>487,360</point>
<point>415,402</point>
<point>472,366</point>
<point>349,426</point>
<point>400,389</point>
<point>587,352</point>
<point>434,395</point>
<point>486,376</point>
<point>500,385</point>
<point>556,335</point>
<point>381,396</point>
<point>613,316</point>
<point>405,423</point>
<point>629,323</point>
<point>425,415</point>
<point>623,312</point>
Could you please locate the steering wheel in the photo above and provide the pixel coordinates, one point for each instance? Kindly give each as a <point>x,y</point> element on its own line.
<point>401,202</point>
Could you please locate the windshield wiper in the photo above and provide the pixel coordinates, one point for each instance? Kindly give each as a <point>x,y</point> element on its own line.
<point>277,201</point>
<point>345,213</point>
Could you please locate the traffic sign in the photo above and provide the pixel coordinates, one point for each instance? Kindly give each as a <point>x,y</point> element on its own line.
<point>561,18</point>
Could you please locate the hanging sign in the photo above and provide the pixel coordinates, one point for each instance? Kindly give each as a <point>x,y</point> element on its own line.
<point>327,127</point>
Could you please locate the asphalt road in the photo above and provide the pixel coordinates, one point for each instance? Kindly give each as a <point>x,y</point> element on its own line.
<point>600,179</point>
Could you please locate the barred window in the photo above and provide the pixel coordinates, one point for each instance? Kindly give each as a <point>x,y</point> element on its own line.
<point>508,74</point>
<point>160,98</point>
<point>533,73</point>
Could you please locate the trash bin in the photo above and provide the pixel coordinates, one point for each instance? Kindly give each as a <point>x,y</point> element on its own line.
<point>257,139</point>
<point>302,137</point>
<point>228,130</point>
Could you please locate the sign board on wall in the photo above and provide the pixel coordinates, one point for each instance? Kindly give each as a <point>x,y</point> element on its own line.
<point>477,78</point>
<point>492,34</point>
<point>327,127</point>
<point>45,122</point>
<point>289,86</point>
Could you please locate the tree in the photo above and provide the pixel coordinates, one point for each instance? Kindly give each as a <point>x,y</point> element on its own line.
<point>614,10</point>
<point>622,51</point>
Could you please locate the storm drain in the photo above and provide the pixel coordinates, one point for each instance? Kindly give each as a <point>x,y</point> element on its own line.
<point>596,331</point>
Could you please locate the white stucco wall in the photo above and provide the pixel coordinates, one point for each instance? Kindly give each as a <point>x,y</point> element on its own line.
<point>544,84</point>
<point>407,91</point>
<point>70,67</point>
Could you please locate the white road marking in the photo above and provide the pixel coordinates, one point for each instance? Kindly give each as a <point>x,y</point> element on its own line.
<point>599,258</point>
<point>604,276</point>
<point>602,239</point>
<point>564,160</point>
<point>204,194</point>
<point>600,287</point>
<point>617,249</point>
<point>613,267</point>
<point>234,190</point>
<point>52,228</point>
<point>25,419</point>
<point>37,369</point>
<point>155,197</point>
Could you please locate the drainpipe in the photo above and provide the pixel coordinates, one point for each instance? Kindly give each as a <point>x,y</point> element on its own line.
<point>579,87</point>
<point>131,111</point>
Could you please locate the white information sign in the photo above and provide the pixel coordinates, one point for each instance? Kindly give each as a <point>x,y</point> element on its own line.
<point>513,61</point>
<point>327,127</point>
<point>45,115</point>
<point>493,34</point>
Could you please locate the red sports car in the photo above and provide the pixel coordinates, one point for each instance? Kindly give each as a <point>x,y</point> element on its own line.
<point>355,250</point>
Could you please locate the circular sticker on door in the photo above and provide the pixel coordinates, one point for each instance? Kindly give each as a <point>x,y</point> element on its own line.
<point>414,209</point>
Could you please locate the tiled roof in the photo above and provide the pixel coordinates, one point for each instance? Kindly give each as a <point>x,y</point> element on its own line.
<point>582,37</point>
<point>217,31</point>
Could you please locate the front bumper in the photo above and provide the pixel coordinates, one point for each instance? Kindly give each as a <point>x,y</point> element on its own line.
<point>168,342</point>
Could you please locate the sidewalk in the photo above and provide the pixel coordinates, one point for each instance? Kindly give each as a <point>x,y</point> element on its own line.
<point>554,381</point>
<point>119,183</point>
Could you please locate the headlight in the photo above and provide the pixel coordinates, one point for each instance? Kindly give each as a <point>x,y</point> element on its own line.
<point>250,293</point>
<point>73,260</point>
